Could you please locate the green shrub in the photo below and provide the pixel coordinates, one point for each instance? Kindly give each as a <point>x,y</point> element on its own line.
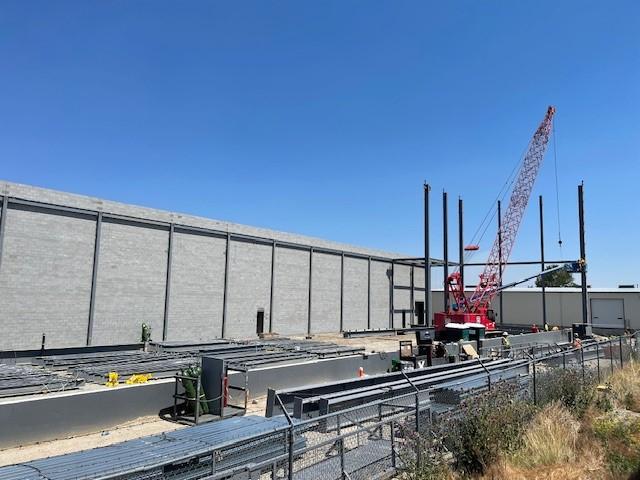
<point>488,425</point>
<point>620,435</point>
<point>567,386</point>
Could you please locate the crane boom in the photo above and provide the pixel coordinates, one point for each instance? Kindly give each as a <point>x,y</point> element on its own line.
<point>492,275</point>
<point>476,309</point>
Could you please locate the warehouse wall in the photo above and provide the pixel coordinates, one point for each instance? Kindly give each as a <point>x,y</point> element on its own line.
<point>355,293</point>
<point>325,294</point>
<point>174,282</point>
<point>291,293</point>
<point>197,286</point>
<point>564,306</point>
<point>249,287</point>
<point>132,272</point>
<point>45,279</point>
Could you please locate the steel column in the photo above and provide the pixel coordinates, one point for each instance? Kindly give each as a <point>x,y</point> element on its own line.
<point>544,289</point>
<point>412,295</point>
<point>167,291</point>
<point>273,268</point>
<point>369,293</point>
<point>94,277</point>
<point>225,292</point>
<point>445,250</point>
<point>583,255</point>
<point>461,243</point>
<point>310,290</point>
<point>427,259</point>
<point>392,291</point>
<point>342,292</point>
<point>3,223</point>
<point>500,259</point>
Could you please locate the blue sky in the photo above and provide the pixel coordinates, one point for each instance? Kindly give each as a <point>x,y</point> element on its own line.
<point>324,118</point>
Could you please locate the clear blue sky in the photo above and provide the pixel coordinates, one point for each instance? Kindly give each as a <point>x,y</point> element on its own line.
<point>324,118</point>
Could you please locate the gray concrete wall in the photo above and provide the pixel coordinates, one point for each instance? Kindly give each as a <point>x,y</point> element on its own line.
<point>249,288</point>
<point>325,294</point>
<point>291,292</point>
<point>197,286</point>
<point>523,306</point>
<point>46,270</point>
<point>130,289</point>
<point>45,279</point>
<point>355,293</point>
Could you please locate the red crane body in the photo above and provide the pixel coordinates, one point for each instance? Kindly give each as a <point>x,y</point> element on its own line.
<point>477,308</point>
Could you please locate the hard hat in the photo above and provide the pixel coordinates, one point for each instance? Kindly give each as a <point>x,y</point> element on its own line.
<point>504,334</point>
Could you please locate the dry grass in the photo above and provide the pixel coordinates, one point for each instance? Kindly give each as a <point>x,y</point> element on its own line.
<point>550,439</point>
<point>625,387</point>
<point>553,449</point>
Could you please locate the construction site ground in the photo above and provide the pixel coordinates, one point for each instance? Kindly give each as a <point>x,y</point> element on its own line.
<point>151,425</point>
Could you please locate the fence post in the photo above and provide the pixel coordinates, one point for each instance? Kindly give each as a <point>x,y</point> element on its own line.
<point>290,434</point>
<point>418,439</point>
<point>582,362</point>
<point>564,360</point>
<point>621,356</point>
<point>611,355</point>
<point>393,445</point>
<point>598,359</point>
<point>340,447</point>
<point>291,441</point>
<point>535,391</point>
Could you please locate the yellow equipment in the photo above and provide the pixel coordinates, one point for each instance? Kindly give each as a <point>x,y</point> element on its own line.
<point>113,379</point>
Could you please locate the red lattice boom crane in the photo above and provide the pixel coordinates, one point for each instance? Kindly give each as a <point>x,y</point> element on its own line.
<point>477,308</point>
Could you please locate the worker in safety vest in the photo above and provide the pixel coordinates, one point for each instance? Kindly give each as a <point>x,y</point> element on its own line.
<point>506,343</point>
<point>577,343</point>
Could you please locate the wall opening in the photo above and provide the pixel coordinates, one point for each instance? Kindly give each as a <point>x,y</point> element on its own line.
<point>419,309</point>
<point>260,321</point>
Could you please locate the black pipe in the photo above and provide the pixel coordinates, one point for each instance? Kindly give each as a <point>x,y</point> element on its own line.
<point>500,258</point>
<point>583,253</point>
<point>445,250</point>
<point>544,290</point>
<point>427,259</point>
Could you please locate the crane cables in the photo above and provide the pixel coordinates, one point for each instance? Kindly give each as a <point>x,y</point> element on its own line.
<point>555,166</point>
<point>489,217</point>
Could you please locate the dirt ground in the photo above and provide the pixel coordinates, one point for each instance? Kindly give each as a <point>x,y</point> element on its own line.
<point>130,430</point>
<point>377,343</point>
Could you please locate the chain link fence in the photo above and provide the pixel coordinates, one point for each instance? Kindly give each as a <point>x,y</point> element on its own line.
<point>394,434</point>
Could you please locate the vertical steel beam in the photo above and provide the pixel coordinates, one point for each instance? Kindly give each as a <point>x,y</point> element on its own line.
<point>392,291</point>
<point>310,291</point>
<point>225,293</point>
<point>461,242</point>
<point>167,290</point>
<point>94,278</point>
<point>273,268</point>
<point>3,222</point>
<point>342,292</point>
<point>369,293</point>
<point>412,304</point>
<point>445,249</point>
<point>500,260</point>
<point>583,255</point>
<point>544,289</point>
<point>427,259</point>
